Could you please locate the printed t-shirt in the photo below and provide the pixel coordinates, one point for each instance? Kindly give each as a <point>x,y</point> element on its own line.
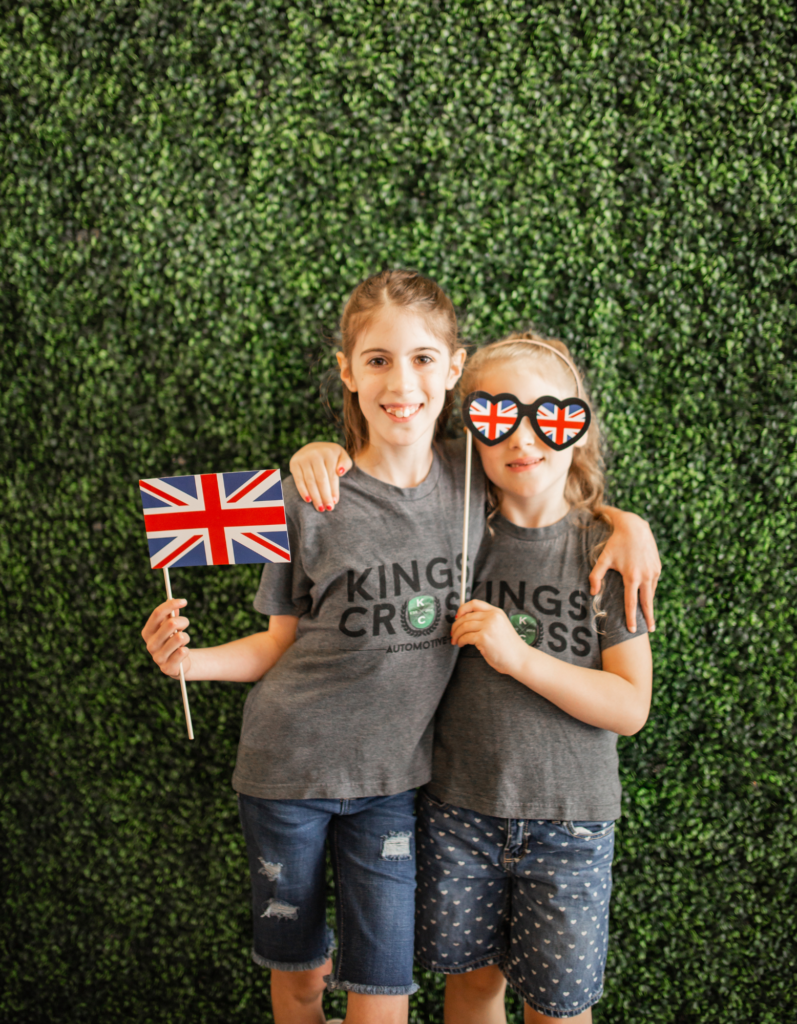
<point>500,748</point>
<point>348,709</point>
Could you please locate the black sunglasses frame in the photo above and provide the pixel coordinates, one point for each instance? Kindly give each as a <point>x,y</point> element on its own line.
<point>525,410</point>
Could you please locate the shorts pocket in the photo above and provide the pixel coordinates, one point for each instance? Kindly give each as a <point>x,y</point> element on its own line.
<point>441,805</point>
<point>589,830</point>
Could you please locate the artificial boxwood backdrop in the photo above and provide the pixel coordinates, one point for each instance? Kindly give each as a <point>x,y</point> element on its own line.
<point>188,191</point>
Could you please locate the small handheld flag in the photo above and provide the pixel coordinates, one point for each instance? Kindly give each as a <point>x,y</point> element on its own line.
<point>214,519</point>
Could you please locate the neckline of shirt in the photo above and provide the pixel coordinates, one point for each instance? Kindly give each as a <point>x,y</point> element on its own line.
<point>380,487</point>
<point>535,534</point>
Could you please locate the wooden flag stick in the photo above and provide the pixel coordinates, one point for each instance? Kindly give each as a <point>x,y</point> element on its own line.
<point>190,728</point>
<point>466,519</point>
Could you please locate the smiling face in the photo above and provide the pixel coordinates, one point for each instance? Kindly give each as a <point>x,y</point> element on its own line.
<point>400,372</point>
<point>530,475</point>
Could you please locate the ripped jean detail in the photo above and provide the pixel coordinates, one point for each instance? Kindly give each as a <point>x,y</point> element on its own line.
<point>397,846</point>
<point>371,844</point>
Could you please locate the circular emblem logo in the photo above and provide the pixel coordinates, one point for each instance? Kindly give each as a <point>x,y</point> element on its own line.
<point>420,615</point>
<point>528,628</point>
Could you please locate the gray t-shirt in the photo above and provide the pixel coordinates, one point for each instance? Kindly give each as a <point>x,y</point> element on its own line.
<point>348,710</point>
<point>500,748</point>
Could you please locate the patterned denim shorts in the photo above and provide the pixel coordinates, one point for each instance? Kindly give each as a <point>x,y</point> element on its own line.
<point>530,896</point>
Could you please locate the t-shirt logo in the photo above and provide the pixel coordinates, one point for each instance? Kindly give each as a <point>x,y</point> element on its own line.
<point>420,615</point>
<point>528,628</point>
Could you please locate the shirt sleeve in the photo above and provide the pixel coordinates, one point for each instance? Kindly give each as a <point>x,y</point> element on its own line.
<point>611,627</point>
<point>285,586</point>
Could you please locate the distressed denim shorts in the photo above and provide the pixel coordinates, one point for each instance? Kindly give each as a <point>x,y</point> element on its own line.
<point>530,896</point>
<point>371,842</point>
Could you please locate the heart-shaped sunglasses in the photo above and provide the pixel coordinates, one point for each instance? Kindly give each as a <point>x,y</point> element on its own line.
<point>492,418</point>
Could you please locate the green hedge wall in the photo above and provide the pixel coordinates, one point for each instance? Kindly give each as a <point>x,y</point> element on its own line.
<point>187,193</point>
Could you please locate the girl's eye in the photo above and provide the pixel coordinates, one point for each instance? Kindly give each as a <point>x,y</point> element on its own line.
<point>425,360</point>
<point>377,361</point>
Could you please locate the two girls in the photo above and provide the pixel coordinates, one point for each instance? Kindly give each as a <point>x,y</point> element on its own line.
<point>337,733</point>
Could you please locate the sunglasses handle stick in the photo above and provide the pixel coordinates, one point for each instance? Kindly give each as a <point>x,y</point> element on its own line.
<point>186,708</point>
<point>466,518</point>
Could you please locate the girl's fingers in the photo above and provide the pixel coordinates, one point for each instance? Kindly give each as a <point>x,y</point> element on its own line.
<point>168,659</point>
<point>468,636</point>
<point>473,605</point>
<point>597,574</point>
<point>167,629</point>
<point>158,617</point>
<point>631,594</point>
<point>646,594</point>
<point>328,484</point>
<point>471,623</point>
<point>312,490</point>
<point>298,478</point>
<point>344,463</point>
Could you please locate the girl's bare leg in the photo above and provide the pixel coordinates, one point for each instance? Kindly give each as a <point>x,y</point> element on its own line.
<point>362,1009</point>
<point>476,997</point>
<point>532,1017</point>
<point>296,995</point>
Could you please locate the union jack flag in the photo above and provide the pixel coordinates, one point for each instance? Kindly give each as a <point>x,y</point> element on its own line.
<point>215,519</point>
<point>492,419</point>
<point>561,425</point>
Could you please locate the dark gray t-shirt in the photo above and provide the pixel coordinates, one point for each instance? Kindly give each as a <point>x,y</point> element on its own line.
<point>502,749</point>
<point>348,709</point>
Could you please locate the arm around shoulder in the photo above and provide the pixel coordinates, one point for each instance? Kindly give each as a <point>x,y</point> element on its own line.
<point>632,661</point>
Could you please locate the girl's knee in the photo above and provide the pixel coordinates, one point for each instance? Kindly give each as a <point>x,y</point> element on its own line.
<point>301,986</point>
<point>483,983</point>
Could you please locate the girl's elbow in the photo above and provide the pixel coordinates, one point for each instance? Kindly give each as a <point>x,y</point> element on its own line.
<point>636,722</point>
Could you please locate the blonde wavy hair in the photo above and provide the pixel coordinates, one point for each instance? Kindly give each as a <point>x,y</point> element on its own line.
<point>585,485</point>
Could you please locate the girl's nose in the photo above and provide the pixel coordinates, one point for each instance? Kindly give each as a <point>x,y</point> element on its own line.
<point>525,434</point>
<point>400,379</point>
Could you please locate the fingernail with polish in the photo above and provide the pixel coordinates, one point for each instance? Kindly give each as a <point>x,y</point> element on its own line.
<point>320,508</point>
<point>330,507</point>
<point>341,470</point>
<point>307,497</point>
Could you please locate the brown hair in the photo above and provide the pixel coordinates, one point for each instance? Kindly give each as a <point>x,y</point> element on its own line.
<point>407,291</point>
<point>585,481</point>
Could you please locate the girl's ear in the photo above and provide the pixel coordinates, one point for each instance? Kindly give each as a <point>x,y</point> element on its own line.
<point>345,372</point>
<point>456,368</point>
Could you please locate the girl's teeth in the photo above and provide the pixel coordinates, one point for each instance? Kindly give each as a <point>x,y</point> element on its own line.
<point>403,411</point>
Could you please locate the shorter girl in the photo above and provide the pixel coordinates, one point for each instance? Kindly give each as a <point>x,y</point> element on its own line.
<point>515,830</point>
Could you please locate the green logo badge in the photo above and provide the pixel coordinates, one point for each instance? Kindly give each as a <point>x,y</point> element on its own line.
<point>527,628</point>
<point>420,615</point>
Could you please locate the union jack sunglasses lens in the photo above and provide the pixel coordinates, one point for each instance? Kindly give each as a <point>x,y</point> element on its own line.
<point>490,418</point>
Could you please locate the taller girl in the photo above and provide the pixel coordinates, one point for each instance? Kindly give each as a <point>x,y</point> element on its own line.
<point>338,734</point>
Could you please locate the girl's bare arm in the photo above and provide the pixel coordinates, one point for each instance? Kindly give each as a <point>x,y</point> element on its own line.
<point>616,697</point>
<point>240,661</point>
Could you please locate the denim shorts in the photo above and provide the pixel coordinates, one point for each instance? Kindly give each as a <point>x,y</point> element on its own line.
<point>530,896</point>
<point>371,843</point>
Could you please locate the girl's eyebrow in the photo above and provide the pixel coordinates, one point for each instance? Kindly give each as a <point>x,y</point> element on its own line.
<point>379,351</point>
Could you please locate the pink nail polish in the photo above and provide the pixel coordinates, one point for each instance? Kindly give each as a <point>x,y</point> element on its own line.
<point>330,507</point>
<point>307,497</point>
<point>341,470</point>
<point>320,508</point>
